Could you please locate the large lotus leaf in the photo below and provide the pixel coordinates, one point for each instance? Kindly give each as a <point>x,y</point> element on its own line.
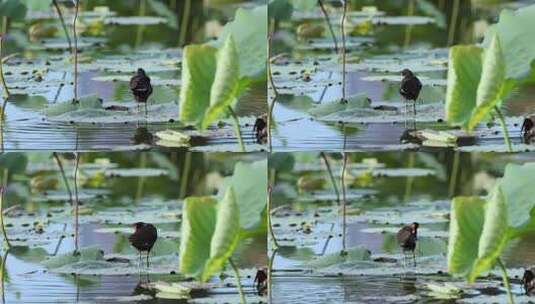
<point>356,254</point>
<point>464,73</point>
<point>250,186</point>
<point>515,29</point>
<point>466,225</point>
<point>227,85</point>
<point>304,5</point>
<point>13,9</point>
<point>519,193</point>
<point>198,226</point>
<point>358,101</point>
<point>226,235</point>
<point>84,254</point>
<point>198,73</point>
<point>37,5</point>
<point>494,235</point>
<point>250,36</point>
<point>489,90</point>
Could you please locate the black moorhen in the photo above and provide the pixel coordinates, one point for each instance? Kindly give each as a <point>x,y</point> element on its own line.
<point>410,88</point>
<point>141,87</point>
<point>407,237</point>
<point>528,281</point>
<point>143,238</point>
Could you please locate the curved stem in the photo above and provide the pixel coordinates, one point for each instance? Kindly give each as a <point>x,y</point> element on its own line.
<point>75,51</point>
<point>342,23</point>
<point>504,128</point>
<point>77,162</point>
<point>272,104</point>
<point>2,79</point>
<point>453,22</point>
<point>58,9</point>
<point>184,23</point>
<point>270,273</point>
<point>65,180</point>
<point>327,19</point>
<point>2,191</point>
<point>186,166</point>
<point>238,280</point>
<point>237,129</point>
<point>333,180</point>
<point>274,243</point>
<point>506,281</point>
<point>343,181</point>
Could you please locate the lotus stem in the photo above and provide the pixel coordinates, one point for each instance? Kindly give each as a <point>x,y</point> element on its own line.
<point>408,28</point>
<point>504,128</point>
<point>453,22</point>
<point>3,275</point>
<point>237,128</point>
<point>142,10</point>
<point>272,104</point>
<point>333,180</point>
<point>270,273</point>
<point>141,179</point>
<point>342,23</point>
<point>77,162</point>
<point>274,243</point>
<point>4,84</point>
<point>2,192</point>
<point>506,281</point>
<point>184,23</point>
<point>238,280</point>
<point>58,10</point>
<point>75,51</point>
<point>343,182</point>
<point>65,180</point>
<point>328,21</point>
<point>454,173</point>
<point>185,175</point>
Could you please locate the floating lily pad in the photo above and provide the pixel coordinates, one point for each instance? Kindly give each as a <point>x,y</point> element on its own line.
<point>136,172</point>
<point>135,20</point>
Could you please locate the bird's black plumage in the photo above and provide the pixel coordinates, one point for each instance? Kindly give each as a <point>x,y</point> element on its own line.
<point>528,130</point>
<point>261,281</point>
<point>410,85</point>
<point>260,129</point>
<point>140,86</point>
<point>143,238</point>
<point>407,237</point>
<point>528,281</point>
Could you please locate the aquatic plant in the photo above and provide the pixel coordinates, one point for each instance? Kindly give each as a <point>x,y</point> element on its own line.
<point>481,77</point>
<point>481,228</point>
<point>214,78</point>
<point>213,228</point>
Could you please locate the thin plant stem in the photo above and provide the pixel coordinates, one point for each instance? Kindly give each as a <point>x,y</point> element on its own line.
<point>139,33</point>
<point>270,273</point>
<point>237,129</point>
<point>141,179</point>
<point>328,21</point>
<point>454,174</point>
<point>505,279</point>
<point>75,51</point>
<point>184,24</point>
<point>77,162</point>
<point>2,192</point>
<point>65,180</point>
<point>273,101</point>
<point>342,23</point>
<point>453,22</point>
<point>238,280</point>
<point>274,243</point>
<point>3,273</point>
<point>408,28</point>
<point>331,175</point>
<point>4,84</point>
<point>343,182</point>
<point>58,10</point>
<point>504,128</point>
<point>185,175</point>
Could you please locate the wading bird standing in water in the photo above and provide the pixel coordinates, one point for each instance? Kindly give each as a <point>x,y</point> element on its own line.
<point>141,88</point>
<point>528,281</point>
<point>410,90</point>
<point>407,237</point>
<point>143,238</point>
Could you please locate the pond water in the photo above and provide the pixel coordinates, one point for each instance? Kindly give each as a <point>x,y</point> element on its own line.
<point>40,77</point>
<point>307,73</point>
<point>386,190</point>
<point>116,190</point>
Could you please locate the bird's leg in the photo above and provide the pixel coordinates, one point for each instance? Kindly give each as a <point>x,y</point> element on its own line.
<point>146,112</point>
<point>148,254</point>
<point>139,262</point>
<point>414,258</point>
<point>414,114</point>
